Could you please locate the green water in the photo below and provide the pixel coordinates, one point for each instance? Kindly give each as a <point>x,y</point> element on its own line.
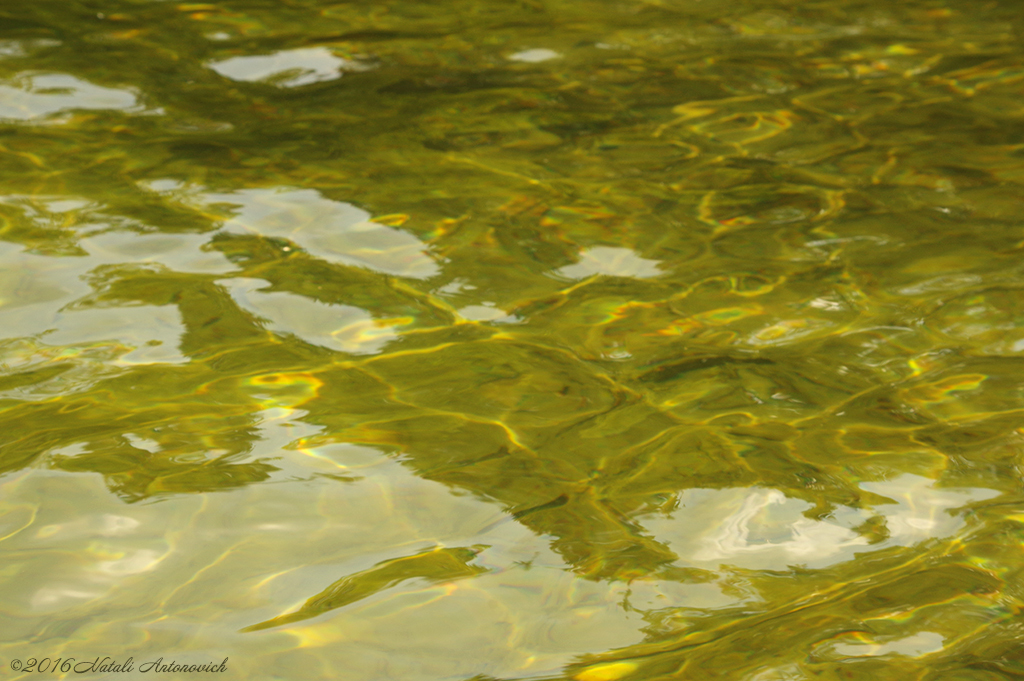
<point>483,339</point>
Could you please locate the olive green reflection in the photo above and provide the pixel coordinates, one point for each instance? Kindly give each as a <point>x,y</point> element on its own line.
<point>714,307</point>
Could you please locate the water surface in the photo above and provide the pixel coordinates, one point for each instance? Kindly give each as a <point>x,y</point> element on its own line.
<point>593,340</point>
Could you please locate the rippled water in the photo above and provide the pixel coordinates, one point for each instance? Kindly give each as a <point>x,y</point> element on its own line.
<point>641,340</point>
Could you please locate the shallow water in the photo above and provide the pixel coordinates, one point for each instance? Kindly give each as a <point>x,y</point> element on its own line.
<point>484,340</point>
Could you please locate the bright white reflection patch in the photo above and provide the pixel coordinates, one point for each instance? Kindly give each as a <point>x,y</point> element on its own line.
<point>921,510</point>
<point>58,597</point>
<point>332,230</point>
<point>130,564</point>
<point>916,645</point>
<point>22,48</point>
<point>338,327</point>
<point>611,261</point>
<point>177,252</point>
<point>153,330</point>
<point>32,96</point>
<point>758,528</point>
<point>486,313</point>
<point>534,55</point>
<point>288,68</point>
<point>769,527</point>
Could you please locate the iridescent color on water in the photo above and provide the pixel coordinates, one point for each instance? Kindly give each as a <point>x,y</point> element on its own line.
<point>501,340</point>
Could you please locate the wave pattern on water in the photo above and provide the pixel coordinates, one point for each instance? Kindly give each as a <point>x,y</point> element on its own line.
<point>657,339</point>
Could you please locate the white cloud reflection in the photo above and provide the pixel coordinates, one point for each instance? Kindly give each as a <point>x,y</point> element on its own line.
<point>32,96</point>
<point>613,262</point>
<point>287,68</point>
<point>535,55</point>
<point>338,327</point>
<point>759,528</point>
<point>332,230</point>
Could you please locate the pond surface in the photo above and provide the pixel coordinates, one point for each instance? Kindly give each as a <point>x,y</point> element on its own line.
<point>499,340</point>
